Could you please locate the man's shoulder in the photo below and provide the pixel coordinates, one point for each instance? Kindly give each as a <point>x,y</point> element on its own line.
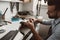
<point>58,28</point>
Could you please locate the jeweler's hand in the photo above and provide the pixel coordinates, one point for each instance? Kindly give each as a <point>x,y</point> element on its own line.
<point>36,20</point>
<point>29,24</point>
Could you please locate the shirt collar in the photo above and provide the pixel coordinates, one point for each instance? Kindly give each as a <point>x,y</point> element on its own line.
<point>57,21</point>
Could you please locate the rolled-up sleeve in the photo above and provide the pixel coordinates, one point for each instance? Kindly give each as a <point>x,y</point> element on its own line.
<point>47,22</point>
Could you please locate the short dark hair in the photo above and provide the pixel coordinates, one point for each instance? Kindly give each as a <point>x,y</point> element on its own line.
<point>51,2</point>
<point>56,3</point>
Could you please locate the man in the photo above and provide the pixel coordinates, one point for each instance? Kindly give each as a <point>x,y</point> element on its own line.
<point>53,13</point>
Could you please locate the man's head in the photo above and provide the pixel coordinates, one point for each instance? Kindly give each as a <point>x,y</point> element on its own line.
<point>53,9</point>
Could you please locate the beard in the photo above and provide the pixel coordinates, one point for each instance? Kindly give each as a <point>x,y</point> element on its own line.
<point>53,17</point>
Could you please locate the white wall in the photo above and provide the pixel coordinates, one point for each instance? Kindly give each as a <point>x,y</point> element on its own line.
<point>43,11</point>
<point>34,6</point>
<point>20,6</point>
<point>31,6</point>
<point>42,2</point>
<point>28,6</point>
<point>4,5</point>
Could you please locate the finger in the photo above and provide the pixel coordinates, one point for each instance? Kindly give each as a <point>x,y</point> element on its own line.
<point>31,19</point>
<point>23,23</point>
<point>28,21</point>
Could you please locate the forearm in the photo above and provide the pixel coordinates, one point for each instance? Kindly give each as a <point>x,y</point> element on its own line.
<point>36,35</point>
<point>45,22</point>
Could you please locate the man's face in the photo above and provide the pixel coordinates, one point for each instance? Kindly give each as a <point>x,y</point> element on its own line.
<point>51,11</point>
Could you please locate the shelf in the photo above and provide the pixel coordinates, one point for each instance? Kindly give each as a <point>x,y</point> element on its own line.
<point>5,0</point>
<point>17,1</point>
<point>10,1</point>
<point>14,1</point>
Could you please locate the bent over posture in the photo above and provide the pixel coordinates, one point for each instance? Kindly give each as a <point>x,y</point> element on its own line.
<point>53,13</point>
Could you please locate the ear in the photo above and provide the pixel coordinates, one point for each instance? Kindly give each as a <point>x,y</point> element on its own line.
<point>58,13</point>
